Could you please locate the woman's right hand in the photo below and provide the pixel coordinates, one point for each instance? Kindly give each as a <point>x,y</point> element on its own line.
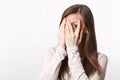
<point>61,34</point>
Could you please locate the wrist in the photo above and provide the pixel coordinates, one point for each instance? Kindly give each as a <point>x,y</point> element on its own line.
<point>62,46</point>
<point>72,49</point>
<point>71,45</point>
<point>61,51</point>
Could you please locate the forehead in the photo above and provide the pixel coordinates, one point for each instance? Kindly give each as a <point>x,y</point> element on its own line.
<point>74,17</point>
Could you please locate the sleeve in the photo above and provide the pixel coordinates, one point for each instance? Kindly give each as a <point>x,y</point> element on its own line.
<point>76,67</point>
<point>52,64</point>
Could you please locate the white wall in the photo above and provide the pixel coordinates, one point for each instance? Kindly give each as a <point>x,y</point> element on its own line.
<point>29,27</point>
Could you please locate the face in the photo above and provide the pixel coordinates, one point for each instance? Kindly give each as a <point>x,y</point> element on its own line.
<point>73,18</point>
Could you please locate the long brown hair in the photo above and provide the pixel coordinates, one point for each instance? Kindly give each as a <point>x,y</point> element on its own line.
<point>88,46</point>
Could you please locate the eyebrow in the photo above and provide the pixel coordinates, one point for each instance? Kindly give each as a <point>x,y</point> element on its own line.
<point>74,23</point>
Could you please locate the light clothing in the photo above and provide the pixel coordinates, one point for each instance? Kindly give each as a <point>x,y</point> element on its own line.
<point>53,61</point>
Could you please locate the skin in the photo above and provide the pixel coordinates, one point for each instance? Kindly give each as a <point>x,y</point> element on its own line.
<point>70,32</point>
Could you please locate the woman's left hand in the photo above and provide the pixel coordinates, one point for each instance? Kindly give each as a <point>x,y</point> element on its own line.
<point>73,38</point>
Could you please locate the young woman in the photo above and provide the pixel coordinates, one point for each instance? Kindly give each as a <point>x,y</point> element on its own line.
<point>76,56</point>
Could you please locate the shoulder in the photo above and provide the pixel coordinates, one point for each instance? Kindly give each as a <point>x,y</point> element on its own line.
<point>103,60</point>
<point>102,56</point>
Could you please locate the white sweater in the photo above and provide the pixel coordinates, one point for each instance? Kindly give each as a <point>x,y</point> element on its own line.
<point>53,60</point>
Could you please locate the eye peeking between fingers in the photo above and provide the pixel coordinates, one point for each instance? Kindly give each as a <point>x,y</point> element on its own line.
<point>74,27</point>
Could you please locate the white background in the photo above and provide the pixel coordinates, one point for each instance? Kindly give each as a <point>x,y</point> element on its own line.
<point>29,27</point>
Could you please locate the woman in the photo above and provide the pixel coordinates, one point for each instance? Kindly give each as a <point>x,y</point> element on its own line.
<point>76,56</point>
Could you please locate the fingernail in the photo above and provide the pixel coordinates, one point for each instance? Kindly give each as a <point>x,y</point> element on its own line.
<point>64,20</point>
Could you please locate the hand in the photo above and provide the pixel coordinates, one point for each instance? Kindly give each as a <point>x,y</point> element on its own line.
<point>61,34</point>
<point>73,38</point>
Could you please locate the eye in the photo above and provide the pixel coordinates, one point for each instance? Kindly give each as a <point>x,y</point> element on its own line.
<point>74,26</point>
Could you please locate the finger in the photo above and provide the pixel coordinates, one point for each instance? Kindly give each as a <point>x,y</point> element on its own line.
<point>67,29</point>
<point>78,28</point>
<point>62,29</point>
<point>70,27</point>
<point>80,38</point>
<point>63,24</point>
